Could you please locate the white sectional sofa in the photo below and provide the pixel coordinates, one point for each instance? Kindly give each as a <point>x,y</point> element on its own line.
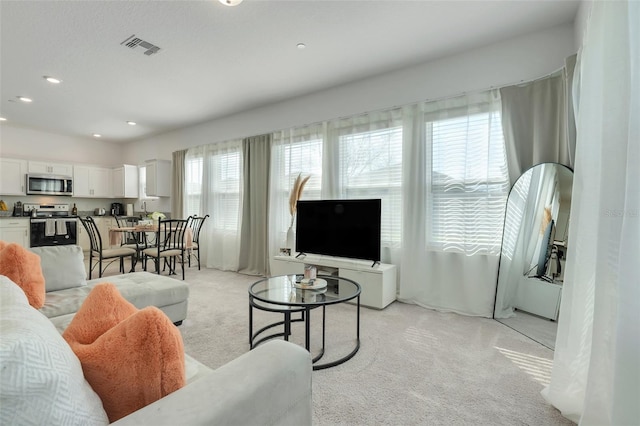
<point>67,287</point>
<point>41,380</point>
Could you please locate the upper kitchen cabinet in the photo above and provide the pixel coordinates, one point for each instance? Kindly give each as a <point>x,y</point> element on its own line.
<point>158,174</point>
<point>48,168</point>
<point>92,182</point>
<point>125,181</point>
<point>12,176</point>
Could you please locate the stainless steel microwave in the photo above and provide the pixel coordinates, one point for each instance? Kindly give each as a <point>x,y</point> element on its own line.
<point>49,185</point>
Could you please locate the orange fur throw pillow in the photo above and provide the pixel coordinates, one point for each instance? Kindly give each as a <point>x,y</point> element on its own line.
<point>130,357</point>
<point>23,268</point>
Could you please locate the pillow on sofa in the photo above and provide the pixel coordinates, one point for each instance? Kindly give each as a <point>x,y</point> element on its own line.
<point>41,380</point>
<point>130,357</point>
<point>62,266</point>
<point>23,268</point>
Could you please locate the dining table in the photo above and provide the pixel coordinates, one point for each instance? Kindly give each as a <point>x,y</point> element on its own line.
<point>117,236</point>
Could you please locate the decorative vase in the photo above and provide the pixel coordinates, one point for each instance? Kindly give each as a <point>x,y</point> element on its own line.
<point>291,238</point>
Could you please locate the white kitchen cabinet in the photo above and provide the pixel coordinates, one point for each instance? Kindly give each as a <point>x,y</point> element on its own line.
<point>12,176</point>
<point>15,230</point>
<point>46,167</point>
<point>105,224</point>
<point>125,181</point>
<point>158,174</point>
<point>378,282</point>
<point>92,182</point>
<point>83,237</point>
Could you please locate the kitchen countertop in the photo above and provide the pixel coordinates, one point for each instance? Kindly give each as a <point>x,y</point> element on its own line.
<point>83,214</point>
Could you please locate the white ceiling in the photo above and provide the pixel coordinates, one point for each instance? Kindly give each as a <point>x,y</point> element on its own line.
<point>217,60</point>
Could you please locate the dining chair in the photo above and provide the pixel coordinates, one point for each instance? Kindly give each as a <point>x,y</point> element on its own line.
<point>195,223</point>
<point>100,253</point>
<point>130,239</point>
<point>170,245</point>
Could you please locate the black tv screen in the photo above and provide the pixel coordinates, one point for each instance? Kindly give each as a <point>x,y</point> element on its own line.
<point>341,228</point>
<point>545,249</point>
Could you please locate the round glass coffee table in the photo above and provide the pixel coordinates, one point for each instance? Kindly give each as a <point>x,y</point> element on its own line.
<point>286,295</point>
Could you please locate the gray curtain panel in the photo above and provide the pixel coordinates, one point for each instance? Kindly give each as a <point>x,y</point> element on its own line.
<point>537,122</point>
<point>254,233</point>
<point>177,184</point>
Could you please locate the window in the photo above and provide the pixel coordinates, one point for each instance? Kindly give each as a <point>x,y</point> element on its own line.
<point>291,158</point>
<point>469,183</point>
<point>224,184</point>
<point>371,167</point>
<point>306,158</point>
<point>142,180</point>
<point>212,184</point>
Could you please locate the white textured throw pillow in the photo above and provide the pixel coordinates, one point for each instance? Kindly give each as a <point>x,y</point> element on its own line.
<point>41,380</point>
<point>62,266</point>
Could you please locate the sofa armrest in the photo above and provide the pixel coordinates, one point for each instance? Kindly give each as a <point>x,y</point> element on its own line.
<point>270,385</point>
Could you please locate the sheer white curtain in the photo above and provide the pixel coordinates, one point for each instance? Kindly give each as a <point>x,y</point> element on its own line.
<point>365,154</point>
<point>214,187</point>
<point>547,193</point>
<point>596,372</point>
<point>293,152</point>
<point>455,185</point>
<point>536,189</point>
<point>517,234</point>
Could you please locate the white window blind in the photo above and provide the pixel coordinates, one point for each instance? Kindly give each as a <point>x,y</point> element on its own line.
<point>304,158</point>
<point>371,167</point>
<point>224,185</point>
<point>212,185</point>
<point>469,183</point>
<point>301,157</point>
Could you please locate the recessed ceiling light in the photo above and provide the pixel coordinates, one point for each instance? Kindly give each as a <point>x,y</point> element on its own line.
<point>230,2</point>
<point>301,46</point>
<point>97,135</point>
<point>25,99</point>
<point>52,79</point>
<point>3,119</point>
<point>131,123</point>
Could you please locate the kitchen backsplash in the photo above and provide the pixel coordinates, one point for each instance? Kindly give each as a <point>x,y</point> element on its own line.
<point>85,206</point>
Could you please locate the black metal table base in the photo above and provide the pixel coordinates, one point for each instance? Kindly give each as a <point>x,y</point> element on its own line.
<point>286,332</point>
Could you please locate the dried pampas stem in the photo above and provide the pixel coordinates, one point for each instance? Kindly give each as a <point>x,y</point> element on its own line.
<point>296,193</point>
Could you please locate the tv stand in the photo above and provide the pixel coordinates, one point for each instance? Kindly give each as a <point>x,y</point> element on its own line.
<point>378,281</point>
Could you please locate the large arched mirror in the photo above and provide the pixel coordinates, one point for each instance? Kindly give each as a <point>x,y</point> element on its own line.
<point>534,246</point>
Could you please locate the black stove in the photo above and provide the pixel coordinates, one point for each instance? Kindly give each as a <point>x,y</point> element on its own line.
<point>47,210</point>
<point>51,225</point>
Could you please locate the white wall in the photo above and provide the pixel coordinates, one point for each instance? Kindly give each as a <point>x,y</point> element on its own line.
<point>19,142</point>
<point>508,62</point>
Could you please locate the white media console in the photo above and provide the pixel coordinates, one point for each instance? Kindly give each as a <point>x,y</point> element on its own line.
<point>378,282</point>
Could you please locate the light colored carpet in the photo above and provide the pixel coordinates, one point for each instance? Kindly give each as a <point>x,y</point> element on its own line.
<point>415,366</point>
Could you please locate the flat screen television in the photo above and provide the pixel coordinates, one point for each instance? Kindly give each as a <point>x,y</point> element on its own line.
<point>545,250</point>
<point>341,228</point>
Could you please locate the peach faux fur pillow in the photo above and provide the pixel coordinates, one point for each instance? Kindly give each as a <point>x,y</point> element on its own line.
<point>130,357</point>
<point>23,268</point>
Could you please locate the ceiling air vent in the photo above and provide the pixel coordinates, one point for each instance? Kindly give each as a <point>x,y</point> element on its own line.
<point>134,42</point>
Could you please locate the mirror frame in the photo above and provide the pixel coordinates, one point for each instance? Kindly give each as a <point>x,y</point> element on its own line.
<point>495,299</point>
